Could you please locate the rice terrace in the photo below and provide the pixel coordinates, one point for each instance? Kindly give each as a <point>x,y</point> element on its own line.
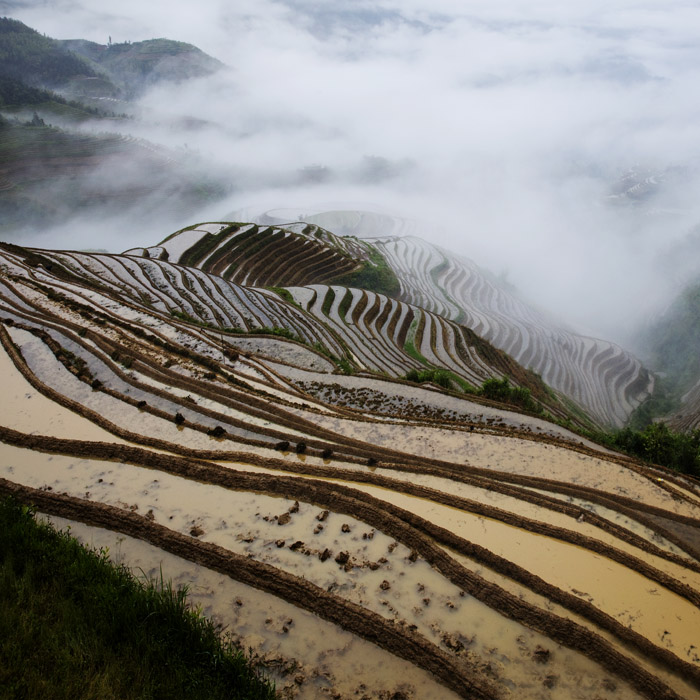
<point>370,463</point>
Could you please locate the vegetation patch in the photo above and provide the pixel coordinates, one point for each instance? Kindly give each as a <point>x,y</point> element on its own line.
<point>435,273</point>
<point>410,345</point>
<point>75,626</point>
<point>502,390</point>
<point>658,444</point>
<point>437,376</point>
<point>374,275</point>
<point>285,294</point>
<point>328,302</point>
<point>672,346</point>
<point>344,305</point>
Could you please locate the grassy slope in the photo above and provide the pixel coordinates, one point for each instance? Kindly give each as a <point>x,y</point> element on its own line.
<point>375,275</point>
<point>74,626</point>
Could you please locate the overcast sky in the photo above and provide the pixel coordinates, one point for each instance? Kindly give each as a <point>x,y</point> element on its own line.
<point>506,123</point>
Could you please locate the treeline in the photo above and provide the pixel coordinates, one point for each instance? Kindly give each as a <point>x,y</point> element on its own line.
<point>658,444</point>
<point>14,92</point>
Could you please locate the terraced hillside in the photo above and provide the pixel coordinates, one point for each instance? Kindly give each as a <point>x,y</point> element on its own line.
<point>249,254</point>
<point>598,376</point>
<point>411,544</point>
<point>374,334</point>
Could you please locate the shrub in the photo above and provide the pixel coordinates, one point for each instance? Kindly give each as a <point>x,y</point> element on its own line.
<point>440,377</point>
<point>501,390</point>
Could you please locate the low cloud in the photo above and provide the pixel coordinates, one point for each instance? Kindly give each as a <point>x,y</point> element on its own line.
<point>506,130</point>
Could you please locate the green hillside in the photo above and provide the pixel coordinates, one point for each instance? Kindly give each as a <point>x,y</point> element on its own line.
<point>671,346</point>
<point>30,57</point>
<point>674,340</point>
<point>49,174</point>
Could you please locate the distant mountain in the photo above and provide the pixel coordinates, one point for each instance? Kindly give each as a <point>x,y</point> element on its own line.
<point>49,175</point>
<point>28,56</point>
<point>36,59</point>
<point>87,69</point>
<point>134,67</point>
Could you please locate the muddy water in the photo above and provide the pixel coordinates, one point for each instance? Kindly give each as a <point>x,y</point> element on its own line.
<point>50,371</point>
<point>526,594</point>
<point>538,513</point>
<point>309,658</point>
<point>644,594</point>
<point>634,527</point>
<point>662,616</point>
<point>417,593</point>
<point>512,455</point>
<point>23,408</point>
<point>694,496</point>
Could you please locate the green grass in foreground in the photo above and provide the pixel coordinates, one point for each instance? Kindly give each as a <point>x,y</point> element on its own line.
<point>75,626</point>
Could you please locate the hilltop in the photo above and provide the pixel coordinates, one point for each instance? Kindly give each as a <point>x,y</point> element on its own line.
<point>133,67</point>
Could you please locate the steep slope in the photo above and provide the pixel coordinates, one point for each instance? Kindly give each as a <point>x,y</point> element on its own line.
<point>266,255</point>
<point>671,344</point>
<point>40,61</point>
<point>375,334</point>
<point>372,331</point>
<point>470,553</point>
